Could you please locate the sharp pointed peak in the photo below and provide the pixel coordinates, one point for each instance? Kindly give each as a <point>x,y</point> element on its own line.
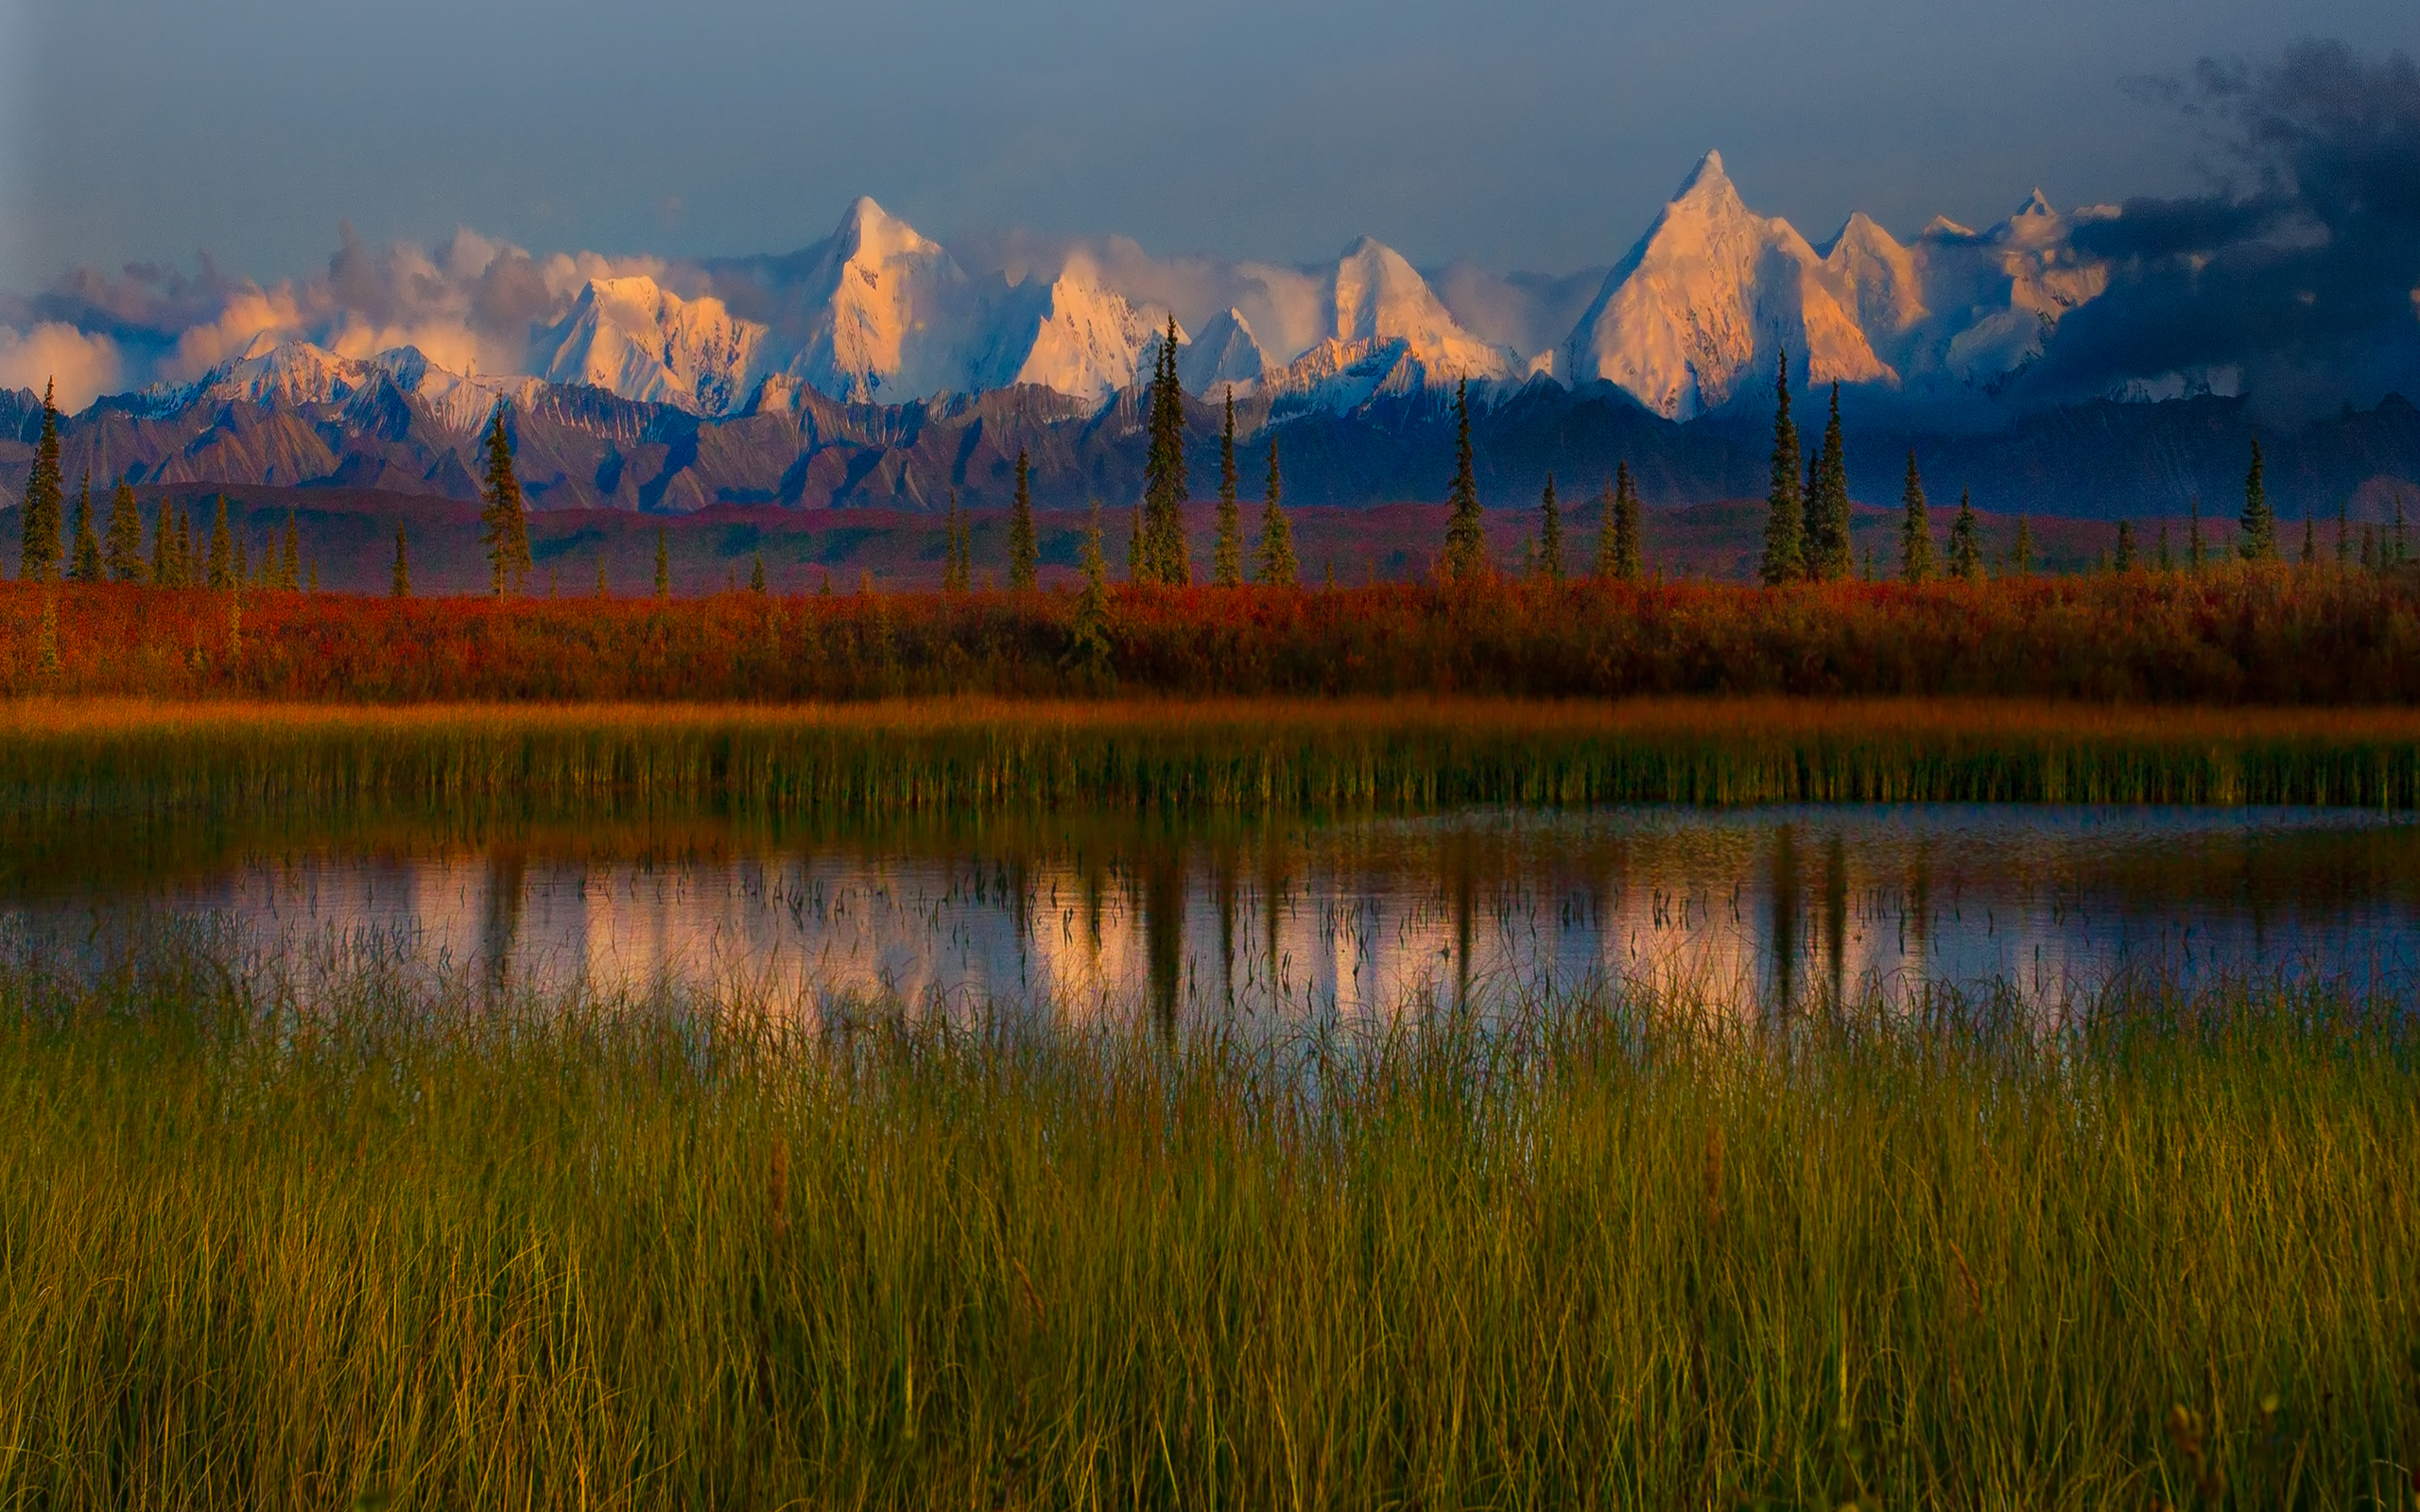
<point>2037,203</point>
<point>1707,177</point>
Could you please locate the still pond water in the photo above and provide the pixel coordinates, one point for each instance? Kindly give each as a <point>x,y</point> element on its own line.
<point>1359,917</point>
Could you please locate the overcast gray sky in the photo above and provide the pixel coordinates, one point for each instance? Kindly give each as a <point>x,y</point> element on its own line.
<point>1535,134</point>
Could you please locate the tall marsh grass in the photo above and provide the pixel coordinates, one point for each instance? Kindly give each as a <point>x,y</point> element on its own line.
<point>416,1247</point>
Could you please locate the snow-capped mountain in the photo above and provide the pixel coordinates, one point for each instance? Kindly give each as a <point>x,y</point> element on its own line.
<point>644,342</point>
<point>1223,354</point>
<point>1071,335</point>
<point>293,374</point>
<point>1389,335</point>
<point>877,316</point>
<point>1705,301</point>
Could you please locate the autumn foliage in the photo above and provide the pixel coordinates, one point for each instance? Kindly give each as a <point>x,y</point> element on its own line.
<point>2236,635</point>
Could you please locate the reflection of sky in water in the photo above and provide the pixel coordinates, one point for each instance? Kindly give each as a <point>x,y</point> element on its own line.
<point>1361,918</point>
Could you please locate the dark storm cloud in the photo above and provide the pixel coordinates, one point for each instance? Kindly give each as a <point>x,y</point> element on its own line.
<point>2301,270</point>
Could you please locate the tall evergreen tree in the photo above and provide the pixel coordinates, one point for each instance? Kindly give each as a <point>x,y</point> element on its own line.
<point>2193,535</point>
<point>2164,560</point>
<point>1025,552</point>
<point>84,559</point>
<point>222,551</point>
<point>164,547</point>
<point>2256,537</point>
<point>46,497</point>
<point>1091,647</point>
<point>289,571</point>
<point>1785,559</point>
<point>1166,556</point>
<point>503,523</point>
<point>757,576</point>
<point>1916,528</point>
<point>401,585</point>
<point>1549,535</point>
<point>1275,567</point>
<point>1966,542</point>
<point>1628,544</point>
<point>2020,550</point>
<point>122,545</point>
<point>2126,562</point>
<point>1465,557</point>
<point>663,565</point>
<point>1227,562</point>
<point>188,554</point>
<point>2311,543</point>
<point>1138,551</point>
<point>958,574</point>
<point>1828,554</point>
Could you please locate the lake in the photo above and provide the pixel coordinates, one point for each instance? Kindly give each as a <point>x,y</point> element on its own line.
<point>1352,918</point>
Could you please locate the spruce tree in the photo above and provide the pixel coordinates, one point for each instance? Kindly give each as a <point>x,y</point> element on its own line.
<point>188,557</point>
<point>603,590</point>
<point>2165,560</point>
<point>291,567</point>
<point>122,546</point>
<point>1627,544</point>
<point>1227,564</point>
<point>1549,535</point>
<point>2344,540</point>
<point>1465,557</point>
<point>222,551</point>
<point>2369,547</point>
<point>1166,556</point>
<point>45,496</point>
<point>2020,550</point>
<point>663,565</point>
<point>2256,537</point>
<point>1091,647</point>
<point>1966,542</point>
<point>2311,543</point>
<point>503,523</point>
<point>1916,528</point>
<point>84,561</point>
<point>1138,556</point>
<point>2125,546</point>
<point>401,587</point>
<point>1828,554</point>
<point>1275,567</point>
<point>1025,552</point>
<point>1785,559</point>
<point>2193,537</point>
<point>757,576</point>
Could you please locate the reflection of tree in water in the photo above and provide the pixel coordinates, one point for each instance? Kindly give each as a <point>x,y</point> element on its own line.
<point>1836,914</point>
<point>1222,881</point>
<point>1785,905</point>
<point>500,916</point>
<point>1163,878</point>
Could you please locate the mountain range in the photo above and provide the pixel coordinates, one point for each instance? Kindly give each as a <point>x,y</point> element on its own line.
<point>874,369</point>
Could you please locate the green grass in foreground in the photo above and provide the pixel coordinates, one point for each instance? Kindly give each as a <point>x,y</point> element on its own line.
<point>419,1253</point>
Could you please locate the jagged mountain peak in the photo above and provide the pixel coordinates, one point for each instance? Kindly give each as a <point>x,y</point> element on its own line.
<point>1707,181</point>
<point>1225,353</point>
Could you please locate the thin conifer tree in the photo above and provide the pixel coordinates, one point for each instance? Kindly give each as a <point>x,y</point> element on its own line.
<point>1829,558</point>
<point>1091,645</point>
<point>37,551</point>
<point>1916,528</point>
<point>122,545</point>
<point>290,566</point>
<point>1166,556</point>
<point>188,554</point>
<point>663,565</point>
<point>163,546</point>
<point>1465,557</point>
<point>1277,565</point>
<point>2193,536</point>
<point>1138,562</point>
<point>503,523</point>
<point>757,576</point>
<point>1227,561</point>
<point>1785,558</point>
<point>222,551</point>
<point>84,560</point>
<point>1025,551</point>
<point>1629,545</point>
<point>2164,560</point>
<point>2125,562</point>
<point>2020,549</point>
<point>2256,534</point>
<point>2311,543</point>
<point>401,586</point>
<point>1966,542</point>
<point>1549,535</point>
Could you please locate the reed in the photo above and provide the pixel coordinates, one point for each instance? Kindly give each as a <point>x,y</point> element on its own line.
<point>311,1228</point>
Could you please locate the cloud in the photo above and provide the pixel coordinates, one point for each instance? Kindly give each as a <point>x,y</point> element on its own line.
<point>2298,267</point>
<point>83,366</point>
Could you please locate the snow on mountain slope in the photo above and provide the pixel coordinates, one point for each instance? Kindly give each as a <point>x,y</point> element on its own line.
<point>1072,335</point>
<point>2000,294</point>
<point>644,342</point>
<point>1702,304</point>
<point>460,402</point>
<point>877,317</point>
<point>1223,354</point>
<point>1389,335</point>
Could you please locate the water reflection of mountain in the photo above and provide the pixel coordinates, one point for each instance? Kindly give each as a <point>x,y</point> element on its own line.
<point>1366,919</point>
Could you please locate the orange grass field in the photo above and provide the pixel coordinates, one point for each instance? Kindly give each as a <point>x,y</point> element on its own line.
<point>2277,635</point>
